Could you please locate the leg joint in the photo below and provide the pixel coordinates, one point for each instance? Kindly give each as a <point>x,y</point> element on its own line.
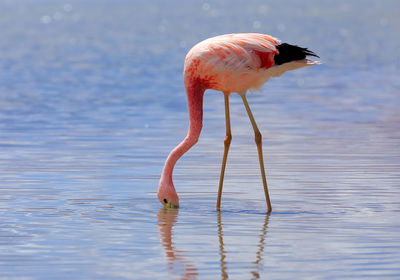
<point>228,139</point>
<point>257,137</point>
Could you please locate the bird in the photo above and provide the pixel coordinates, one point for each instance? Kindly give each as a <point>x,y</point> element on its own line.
<point>230,63</point>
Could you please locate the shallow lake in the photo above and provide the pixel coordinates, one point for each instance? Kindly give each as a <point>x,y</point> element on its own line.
<point>92,101</point>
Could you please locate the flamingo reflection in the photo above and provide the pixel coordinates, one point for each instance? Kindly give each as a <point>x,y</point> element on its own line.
<point>260,251</point>
<point>259,255</point>
<point>175,259</point>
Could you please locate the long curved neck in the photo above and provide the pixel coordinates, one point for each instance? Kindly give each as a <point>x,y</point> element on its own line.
<point>195,92</point>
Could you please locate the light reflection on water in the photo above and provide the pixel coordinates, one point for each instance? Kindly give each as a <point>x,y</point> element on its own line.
<point>92,101</point>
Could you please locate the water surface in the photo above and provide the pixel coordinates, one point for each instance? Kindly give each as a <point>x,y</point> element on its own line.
<point>92,101</point>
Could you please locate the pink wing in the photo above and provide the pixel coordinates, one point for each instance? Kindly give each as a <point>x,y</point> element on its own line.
<point>236,52</point>
<point>223,59</point>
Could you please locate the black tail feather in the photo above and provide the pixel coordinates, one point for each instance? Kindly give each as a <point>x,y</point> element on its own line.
<point>289,53</point>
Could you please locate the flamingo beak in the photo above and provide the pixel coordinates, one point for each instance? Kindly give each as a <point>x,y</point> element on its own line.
<point>171,205</point>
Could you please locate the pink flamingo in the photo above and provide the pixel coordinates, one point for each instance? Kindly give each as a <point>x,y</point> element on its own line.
<point>232,63</point>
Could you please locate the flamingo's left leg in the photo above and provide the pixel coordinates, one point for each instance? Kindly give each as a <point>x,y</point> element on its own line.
<point>258,140</point>
<point>227,143</point>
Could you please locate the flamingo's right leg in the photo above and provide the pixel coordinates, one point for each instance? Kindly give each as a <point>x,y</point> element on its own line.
<point>258,140</point>
<point>227,143</point>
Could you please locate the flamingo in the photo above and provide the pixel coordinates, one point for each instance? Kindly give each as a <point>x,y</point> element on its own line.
<point>231,63</point>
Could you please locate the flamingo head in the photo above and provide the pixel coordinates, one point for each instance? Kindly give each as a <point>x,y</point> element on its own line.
<point>167,195</point>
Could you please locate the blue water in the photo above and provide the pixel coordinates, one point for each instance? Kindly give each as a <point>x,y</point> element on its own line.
<point>92,101</point>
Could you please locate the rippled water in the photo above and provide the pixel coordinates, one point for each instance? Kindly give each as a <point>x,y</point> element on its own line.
<point>92,101</point>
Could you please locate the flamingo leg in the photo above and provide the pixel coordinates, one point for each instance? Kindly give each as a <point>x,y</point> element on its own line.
<point>227,143</point>
<point>258,140</point>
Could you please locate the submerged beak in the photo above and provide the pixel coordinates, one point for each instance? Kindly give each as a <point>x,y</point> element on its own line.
<point>171,205</point>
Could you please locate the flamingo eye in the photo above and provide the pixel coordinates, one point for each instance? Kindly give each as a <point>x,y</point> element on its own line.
<point>165,200</point>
